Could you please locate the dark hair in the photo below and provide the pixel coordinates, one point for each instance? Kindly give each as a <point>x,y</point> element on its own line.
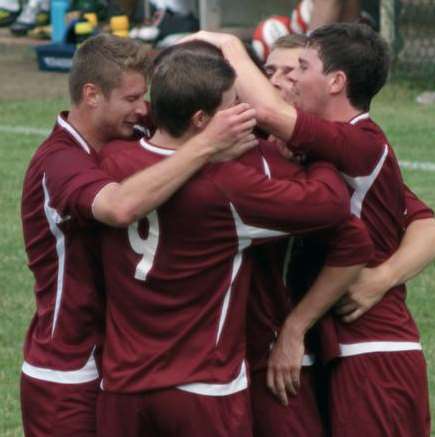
<point>359,52</point>
<point>187,78</point>
<point>101,60</point>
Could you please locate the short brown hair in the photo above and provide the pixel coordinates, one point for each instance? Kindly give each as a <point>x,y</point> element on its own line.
<point>101,60</point>
<point>187,78</point>
<point>292,41</point>
<point>359,52</point>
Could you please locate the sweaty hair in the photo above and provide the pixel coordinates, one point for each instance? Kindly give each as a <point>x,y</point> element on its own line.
<point>101,60</point>
<point>292,41</point>
<point>359,52</point>
<point>187,78</point>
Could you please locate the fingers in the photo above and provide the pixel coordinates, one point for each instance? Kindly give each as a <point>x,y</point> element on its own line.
<point>284,151</point>
<point>242,112</point>
<point>277,385</point>
<point>238,120</point>
<point>236,150</point>
<point>246,144</point>
<point>295,378</point>
<point>345,308</point>
<point>354,315</point>
<point>282,380</point>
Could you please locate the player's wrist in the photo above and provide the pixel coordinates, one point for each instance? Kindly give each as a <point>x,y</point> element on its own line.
<point>201,149</point>
<point>390,276</point>
<point>295,327</point>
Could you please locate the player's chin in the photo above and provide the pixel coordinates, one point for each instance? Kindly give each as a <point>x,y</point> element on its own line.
<point>126,130</point>
<point>289,97</point>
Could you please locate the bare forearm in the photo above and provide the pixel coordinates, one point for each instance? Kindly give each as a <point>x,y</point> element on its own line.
<point>139,194</point>
<point>415,252</point>
<point>273,114</point>
<point>331,284</point>
<point>325,12</point>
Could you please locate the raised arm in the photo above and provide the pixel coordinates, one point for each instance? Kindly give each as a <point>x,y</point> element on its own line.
<point>120,204</point>
<point>273,113</point>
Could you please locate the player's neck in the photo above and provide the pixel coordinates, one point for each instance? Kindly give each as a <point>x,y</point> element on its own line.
<point>340,110</point>
<point>82,123</point>
<point>164,139</point>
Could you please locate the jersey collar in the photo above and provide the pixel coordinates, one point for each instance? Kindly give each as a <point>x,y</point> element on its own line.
<point>61,121</point>
<point>156,149</point>
<point>358,118</point>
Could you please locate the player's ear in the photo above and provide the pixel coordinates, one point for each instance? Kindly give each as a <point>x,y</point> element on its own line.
<point>91,94</point>
<point>200,119</point>
<point>337,82</point>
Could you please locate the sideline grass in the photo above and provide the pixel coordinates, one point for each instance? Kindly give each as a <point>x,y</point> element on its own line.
<point>408,125</point>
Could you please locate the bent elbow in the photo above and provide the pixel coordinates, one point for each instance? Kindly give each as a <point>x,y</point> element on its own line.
<point>123,217</point>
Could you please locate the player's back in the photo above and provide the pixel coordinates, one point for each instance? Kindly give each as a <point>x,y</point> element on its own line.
<point>172,316</point>
<point>177,281</point>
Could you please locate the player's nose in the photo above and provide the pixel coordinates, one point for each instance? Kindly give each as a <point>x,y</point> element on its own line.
<point>142,108</point>
<point>275,79</point>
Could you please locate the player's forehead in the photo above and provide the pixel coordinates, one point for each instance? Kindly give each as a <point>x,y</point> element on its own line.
<point>310,55</point>
<point>131,82</point>
<point>281,57</point>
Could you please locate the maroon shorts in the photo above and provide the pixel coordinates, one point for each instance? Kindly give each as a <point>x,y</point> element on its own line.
<point>58,410</point>
<point>172,412</point>
<point>301,418</point>
<point>380,395</point>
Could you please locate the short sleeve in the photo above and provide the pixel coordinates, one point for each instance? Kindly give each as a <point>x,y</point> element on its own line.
<point>416,209</point>
<point>73,179</point>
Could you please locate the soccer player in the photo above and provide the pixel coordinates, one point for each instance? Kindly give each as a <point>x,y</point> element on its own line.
<point>340,71</point>
<point>65,195</point>
<point>177,281</point>
<point>271,300</point>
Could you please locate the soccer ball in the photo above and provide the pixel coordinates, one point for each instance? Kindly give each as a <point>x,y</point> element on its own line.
<point>267,32</point>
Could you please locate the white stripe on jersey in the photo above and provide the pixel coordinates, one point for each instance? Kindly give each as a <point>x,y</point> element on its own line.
<point>245,235</point>
<point>362,184</point>
<point>349,350</point>
<point>74,133</point>
<point>237,384</point>
<point>237,262</point>
<point>87,373</point>
<point>54,219</point>
<point>266,168</point>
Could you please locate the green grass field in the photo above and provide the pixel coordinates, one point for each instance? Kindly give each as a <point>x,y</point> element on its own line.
<point>409,126</point>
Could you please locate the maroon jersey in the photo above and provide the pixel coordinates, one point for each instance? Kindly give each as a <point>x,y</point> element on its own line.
<point>177,281</point>
<point>360,150</point>
<point>271,299</point>
<point>59,187</point>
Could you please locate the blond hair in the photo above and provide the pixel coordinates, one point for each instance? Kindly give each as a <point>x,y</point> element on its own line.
<point>101,60</point>
<point>292,41</point>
